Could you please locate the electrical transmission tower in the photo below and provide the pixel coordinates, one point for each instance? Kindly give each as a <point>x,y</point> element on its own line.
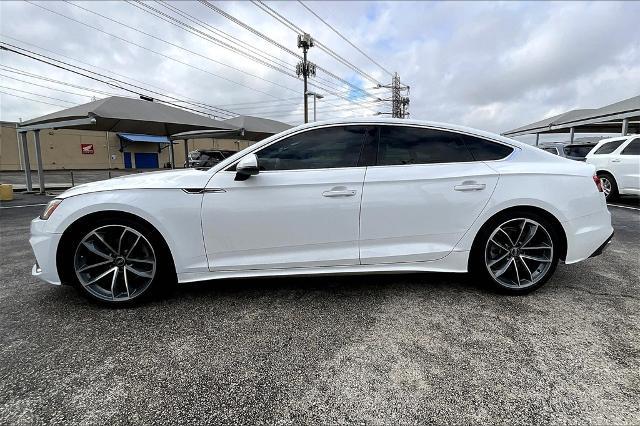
<point>399,102</point>
<point>305,68</point>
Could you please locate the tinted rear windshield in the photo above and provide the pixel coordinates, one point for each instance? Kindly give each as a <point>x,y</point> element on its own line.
<point>577,150</point>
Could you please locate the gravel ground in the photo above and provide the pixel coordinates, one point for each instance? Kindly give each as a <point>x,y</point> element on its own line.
<point>367,349</point>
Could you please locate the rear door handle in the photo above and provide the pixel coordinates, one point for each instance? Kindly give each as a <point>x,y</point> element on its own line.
<point>470,186</point>
<point>616,160</point>
<point>339,192</point>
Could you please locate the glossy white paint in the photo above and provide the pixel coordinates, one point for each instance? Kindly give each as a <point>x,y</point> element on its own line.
<point>624,168</point>
<point>347,220</point>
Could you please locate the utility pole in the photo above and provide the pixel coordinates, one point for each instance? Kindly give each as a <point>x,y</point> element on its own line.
<point>399,102</point>
<point>305,68</point>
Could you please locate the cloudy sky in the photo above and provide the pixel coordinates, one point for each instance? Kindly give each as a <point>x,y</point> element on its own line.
<point>493,66</point>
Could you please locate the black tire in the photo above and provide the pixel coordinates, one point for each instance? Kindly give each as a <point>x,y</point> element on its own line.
<point>478,261</point>
<point>613,193</point>
<point>162,280</point>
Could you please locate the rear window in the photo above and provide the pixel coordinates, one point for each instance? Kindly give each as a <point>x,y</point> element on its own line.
<point>577,150</point>
<point>609,147</point>
<point>633,148</point>
<point>484,150</point>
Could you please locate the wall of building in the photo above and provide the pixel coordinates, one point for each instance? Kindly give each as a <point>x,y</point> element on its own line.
<point>62,149</point>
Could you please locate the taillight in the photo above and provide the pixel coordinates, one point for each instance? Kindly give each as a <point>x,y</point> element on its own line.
<point>598,183</point>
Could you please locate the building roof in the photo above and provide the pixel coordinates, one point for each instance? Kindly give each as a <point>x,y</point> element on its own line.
<point>596,120</point>
<point>121,114</point>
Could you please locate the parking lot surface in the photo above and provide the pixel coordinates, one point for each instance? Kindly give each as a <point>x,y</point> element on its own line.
<point>410,348</point>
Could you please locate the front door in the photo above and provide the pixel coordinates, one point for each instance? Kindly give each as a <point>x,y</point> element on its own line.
<point>425,192</point>
<point>301,210</point>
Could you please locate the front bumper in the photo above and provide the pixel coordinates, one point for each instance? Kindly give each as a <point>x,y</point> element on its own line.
<point>44,245</point>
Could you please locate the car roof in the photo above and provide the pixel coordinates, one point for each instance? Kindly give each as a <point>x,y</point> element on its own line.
<point>405,122</point>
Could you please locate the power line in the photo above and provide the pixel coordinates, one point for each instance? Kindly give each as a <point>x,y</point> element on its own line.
<point>33,100</point>
<point>275,43</point>
<point>104,69</point>
<point>345,38</point>
<point>46,87</point>
<point>320,45</point>
<point>37,94</point>
<point>147,49</point>
<point>109,83</point>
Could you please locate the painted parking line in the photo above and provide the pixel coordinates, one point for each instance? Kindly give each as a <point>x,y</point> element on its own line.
<point>25,205</point>
<point>623,207</point>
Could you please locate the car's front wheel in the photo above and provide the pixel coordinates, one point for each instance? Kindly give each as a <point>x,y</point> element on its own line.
<point>517,253</point>
<point>118,261</point>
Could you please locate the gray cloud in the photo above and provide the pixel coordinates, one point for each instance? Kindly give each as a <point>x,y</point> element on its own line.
<point>493,66</point>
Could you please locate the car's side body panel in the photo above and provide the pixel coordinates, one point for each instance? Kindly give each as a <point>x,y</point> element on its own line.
<point>413,213</point>
<point>283,219</point>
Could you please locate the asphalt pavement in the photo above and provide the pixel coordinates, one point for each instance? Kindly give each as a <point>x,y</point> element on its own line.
<point>383,349</point>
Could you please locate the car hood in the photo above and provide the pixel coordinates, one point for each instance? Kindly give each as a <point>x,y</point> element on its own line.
<point>165,179</point>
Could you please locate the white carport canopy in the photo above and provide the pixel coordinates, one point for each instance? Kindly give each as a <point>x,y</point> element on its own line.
<point>623,117</point>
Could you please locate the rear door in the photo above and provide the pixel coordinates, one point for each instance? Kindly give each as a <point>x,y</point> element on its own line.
<point>628,164</point>
<point>425,191</point>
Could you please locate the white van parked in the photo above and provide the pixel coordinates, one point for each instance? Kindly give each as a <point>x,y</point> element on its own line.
<point>617,162</point>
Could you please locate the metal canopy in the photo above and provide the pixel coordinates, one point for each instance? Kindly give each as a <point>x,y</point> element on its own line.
<point>120,114</point>
<point>623,116</point>
<point>114,114</point>
<point>256,128</point>
<point>135,137</point>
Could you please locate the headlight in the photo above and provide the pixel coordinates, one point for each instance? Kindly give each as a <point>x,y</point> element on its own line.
<point>53,204</point>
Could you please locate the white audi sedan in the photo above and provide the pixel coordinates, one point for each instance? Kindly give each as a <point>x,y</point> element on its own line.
<point>337,197</point>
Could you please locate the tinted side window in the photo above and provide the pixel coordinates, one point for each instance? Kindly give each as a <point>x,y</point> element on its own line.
<point>551,150</point>
<point>484,150</point>
<point>609,147</point>
<point>411,145</point>
<point>633,148</point>
<point>315,149</point>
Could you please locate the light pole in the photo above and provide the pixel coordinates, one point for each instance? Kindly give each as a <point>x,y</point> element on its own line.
<point>315,96</point>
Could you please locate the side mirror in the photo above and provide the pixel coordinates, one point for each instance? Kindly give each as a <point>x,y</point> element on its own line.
<point>246,167</point>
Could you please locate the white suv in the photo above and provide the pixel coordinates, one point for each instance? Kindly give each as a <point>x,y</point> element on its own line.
<point>617,162</point>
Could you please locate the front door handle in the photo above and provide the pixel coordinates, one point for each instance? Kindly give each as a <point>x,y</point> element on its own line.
<point>470,186</point>
<point>616,160</point>
<point>339,191</point>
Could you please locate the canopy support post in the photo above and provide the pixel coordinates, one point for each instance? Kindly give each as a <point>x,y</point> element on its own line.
<point>537,138</point>
<point>572,133</point>
<point>625,126</point>
<point>186,153</point>
<point>172,160</point>
<point>26,164</point>
<point>39,161</point>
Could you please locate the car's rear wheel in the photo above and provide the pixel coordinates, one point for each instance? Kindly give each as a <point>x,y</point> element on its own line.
<point>118,261</point>
<point>517,253</point>
<point>609,186</point>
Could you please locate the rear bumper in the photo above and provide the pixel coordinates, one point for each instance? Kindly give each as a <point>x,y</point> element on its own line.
<point>604,245</point>
<point>44,246</point>
<point>587,236</point>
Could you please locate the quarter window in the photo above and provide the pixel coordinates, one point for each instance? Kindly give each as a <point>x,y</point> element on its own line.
<point>551,150</point>
<point>609,147</point>
<point>633,148</point>
<point>484,150</point>
<point>315,149</point>
<point>412,145</point>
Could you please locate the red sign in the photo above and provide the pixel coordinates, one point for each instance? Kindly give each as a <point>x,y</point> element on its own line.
<point>87,148</point>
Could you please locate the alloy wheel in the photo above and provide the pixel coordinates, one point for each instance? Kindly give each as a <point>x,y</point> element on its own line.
<point>606,186</point>
<point>115,263</point>
<point>519,253</point>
